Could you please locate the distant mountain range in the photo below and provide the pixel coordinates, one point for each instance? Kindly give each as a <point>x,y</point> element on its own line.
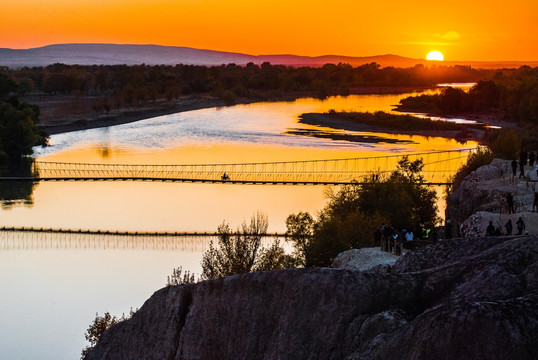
<point>113,54</point>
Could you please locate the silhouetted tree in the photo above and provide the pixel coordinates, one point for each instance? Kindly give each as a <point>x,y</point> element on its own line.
<point>241,252</point>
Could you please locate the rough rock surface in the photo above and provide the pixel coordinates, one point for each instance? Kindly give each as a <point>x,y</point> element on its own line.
<point>363,259</point>
<point>482,197</point>
<point>456,299</point>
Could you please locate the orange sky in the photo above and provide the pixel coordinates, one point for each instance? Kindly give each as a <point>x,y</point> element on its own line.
<point>460,29</point>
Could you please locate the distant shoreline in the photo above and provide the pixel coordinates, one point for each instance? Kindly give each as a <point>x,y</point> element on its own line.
<point>56,119</point>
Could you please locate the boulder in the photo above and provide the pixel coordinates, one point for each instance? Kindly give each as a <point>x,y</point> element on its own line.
<point>363,259</point>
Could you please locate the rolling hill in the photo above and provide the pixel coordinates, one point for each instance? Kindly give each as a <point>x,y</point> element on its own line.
<point>114,54</point>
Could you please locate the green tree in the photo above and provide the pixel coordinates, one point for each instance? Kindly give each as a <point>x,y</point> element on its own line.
<point>19,130</point>
<point>354,212</point>
<point>506,145</point>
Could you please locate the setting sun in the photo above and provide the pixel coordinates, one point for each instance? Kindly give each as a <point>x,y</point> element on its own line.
<point>435,55</point>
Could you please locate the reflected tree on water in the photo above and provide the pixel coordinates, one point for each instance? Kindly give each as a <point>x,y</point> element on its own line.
<point>14,192</point>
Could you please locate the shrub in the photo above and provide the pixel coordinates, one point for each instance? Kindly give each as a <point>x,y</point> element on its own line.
<point>179,277</point>
<point>506,146</point>
<point>98,327</point>
<point>241,252</point>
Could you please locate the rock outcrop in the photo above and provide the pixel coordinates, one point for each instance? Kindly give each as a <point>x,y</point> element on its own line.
<point>457,299</point>
<point>363,259</point>
<point>482,197</point>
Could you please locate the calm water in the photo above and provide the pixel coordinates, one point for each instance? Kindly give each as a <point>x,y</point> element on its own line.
<point>51,292</point>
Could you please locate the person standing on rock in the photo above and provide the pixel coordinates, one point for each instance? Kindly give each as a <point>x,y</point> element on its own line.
<point>535,202</point>
<point>397,238</point>
<point>409,236</point>
<point>510,202</point>
<point>520,226</point>
<point>508,227</point>
<point>522,163</point>
<point>514,167</point>
<point>490,230</point>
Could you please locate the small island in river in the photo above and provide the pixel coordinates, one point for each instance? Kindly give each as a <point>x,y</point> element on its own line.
<point>383,122</point>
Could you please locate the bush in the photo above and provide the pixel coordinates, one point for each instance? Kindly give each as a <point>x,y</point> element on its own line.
<point>179,277</point>
<point>98,327</point>
<point>241,252</point>
<point>506,146</point>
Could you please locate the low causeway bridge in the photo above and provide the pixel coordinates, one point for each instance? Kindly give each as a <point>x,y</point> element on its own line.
<point>438,169</point>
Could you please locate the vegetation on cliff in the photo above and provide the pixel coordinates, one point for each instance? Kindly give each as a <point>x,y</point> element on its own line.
<point>355,211</point>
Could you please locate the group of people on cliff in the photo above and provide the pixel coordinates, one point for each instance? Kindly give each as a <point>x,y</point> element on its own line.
<point>492,230</point>
<point>524,157</point>
<point>392,240</point>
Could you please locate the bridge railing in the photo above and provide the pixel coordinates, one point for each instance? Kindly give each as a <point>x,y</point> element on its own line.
<point>438,168</point>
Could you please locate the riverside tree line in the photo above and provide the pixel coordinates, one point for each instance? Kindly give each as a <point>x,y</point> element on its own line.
<point>120,85</point>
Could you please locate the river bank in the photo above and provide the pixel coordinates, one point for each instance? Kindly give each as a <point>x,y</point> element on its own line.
<point>65,113</point>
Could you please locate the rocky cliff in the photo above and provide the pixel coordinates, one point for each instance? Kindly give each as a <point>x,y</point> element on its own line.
<point>482,197</point>
<point>457,299</point>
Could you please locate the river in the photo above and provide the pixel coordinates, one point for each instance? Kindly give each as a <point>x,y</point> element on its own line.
<point>54,284</point>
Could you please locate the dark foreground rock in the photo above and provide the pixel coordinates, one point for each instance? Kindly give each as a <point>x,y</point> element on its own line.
<point>458,299</point>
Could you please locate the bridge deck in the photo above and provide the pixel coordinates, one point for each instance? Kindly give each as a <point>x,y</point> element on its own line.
<point>211,181</point>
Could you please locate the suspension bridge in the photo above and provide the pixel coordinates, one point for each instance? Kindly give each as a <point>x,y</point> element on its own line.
<point>54,239</point>
<point>438,169</point>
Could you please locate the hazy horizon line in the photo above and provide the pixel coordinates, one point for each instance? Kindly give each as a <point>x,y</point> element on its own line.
<point>274,54</point>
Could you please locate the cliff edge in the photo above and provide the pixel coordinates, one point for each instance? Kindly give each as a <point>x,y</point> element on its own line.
<point>483,197</point>
<point>457,299</point>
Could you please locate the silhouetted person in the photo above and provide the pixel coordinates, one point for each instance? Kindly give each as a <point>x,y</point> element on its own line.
<point>532,158</point>
<point>510,201</point>
<point>514,167</point>
<point>520,226</point>
<point>490,230</point>
<point>377,236</point>
<point>397,239</point>
<point>522,163</point>
<point>535,202</point>
<point>508,227</point>
<point>523,156</point>
<point>521,170</point>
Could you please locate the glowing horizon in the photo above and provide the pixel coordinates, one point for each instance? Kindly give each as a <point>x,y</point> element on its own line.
<point>484,30</point>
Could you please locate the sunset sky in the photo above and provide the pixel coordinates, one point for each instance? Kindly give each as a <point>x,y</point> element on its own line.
<point>460,29</point>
